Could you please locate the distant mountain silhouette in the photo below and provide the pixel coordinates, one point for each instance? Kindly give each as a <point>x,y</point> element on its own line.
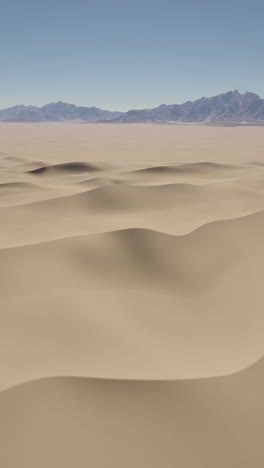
<point>55,112</point>
<point>231,107</point>
<point>226,109</point>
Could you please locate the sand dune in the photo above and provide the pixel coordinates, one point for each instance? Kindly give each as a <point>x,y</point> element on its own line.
<point>71,167</point>
<point>192,169</point>
<point>198,172</point>
<point>206,282</point>
<point>84,422</point>
<point>131,279</point>
<point>35,212</point>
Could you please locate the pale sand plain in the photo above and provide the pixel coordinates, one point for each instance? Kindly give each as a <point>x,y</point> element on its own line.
<point>131,276</point>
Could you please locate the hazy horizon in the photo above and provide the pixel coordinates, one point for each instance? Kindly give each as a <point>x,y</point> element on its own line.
<point>125,110</point>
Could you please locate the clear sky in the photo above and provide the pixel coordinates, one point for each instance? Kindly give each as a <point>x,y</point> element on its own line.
<point>121,54</point>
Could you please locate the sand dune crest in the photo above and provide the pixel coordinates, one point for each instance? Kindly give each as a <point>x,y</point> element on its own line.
<point>97,422</point>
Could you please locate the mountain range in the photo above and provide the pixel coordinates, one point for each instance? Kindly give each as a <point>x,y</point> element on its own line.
<point>56,112</point>
<point>224,109</point>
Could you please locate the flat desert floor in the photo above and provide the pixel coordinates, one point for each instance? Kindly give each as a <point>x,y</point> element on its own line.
<point>132,296</point>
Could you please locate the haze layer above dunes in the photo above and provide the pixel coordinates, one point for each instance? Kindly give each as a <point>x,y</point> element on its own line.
<point>131,279</point>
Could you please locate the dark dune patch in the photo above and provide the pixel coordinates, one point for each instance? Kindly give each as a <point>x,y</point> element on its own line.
<point>198,167</point>
<point>64,168</point>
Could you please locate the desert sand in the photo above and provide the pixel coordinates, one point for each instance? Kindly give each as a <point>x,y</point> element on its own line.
<point>131,276</point>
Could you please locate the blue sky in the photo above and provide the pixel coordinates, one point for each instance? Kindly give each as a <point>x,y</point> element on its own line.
<point>129,54</point>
